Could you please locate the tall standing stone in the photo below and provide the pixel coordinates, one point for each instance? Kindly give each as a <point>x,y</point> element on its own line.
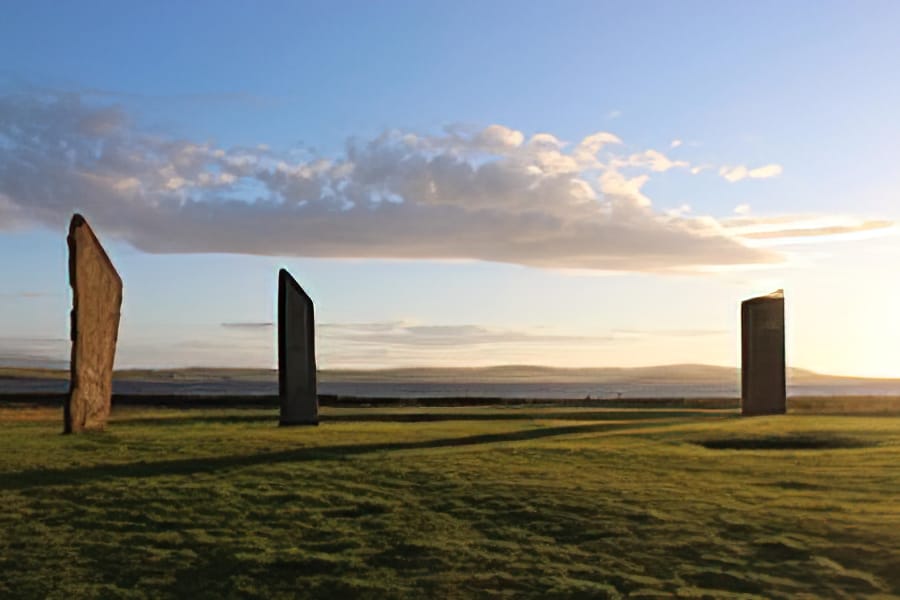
<point>296,354</point>
<point>96,305</point>
<point>762,355</point>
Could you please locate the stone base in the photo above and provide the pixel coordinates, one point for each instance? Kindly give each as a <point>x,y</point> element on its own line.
<point>293,423</point>
<point>762,413</point>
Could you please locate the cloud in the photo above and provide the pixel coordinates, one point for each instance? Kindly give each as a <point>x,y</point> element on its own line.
<point>733,174</point>
<point>498,137</point>
<point>27,295</point>
<point>40,352</point>
<point>401,343</point>
<point>679,211</point>
<point>421,336</point>
<point>652,160</point>
<point>586,151</point>
<point>353,345</point>
<point>674,333</point>
<point>827,230</point>
<point>773,230</point>
<point>616,185</point>
<point>675,143</point>
<point>487,194</point>
<point>740,172</point>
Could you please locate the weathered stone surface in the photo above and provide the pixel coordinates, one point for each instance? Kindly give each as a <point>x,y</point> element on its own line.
<point>762,355</point>
<point>296,354</point>
<point>96,305</point>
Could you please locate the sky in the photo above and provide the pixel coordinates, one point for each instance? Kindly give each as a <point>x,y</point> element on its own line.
<point>573,184</point>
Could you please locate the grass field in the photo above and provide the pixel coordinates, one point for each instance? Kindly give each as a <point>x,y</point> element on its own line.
<point>450,503</point>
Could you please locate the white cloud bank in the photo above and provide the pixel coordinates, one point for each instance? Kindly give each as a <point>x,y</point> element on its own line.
<point>487,194</point>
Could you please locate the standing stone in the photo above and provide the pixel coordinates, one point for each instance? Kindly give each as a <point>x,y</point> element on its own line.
<point>762,355</point>
<point>296,354</point>
<point>96,303</point>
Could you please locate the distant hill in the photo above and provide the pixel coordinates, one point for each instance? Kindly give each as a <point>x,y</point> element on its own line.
<point>687,374</point>
<point>690,374</point>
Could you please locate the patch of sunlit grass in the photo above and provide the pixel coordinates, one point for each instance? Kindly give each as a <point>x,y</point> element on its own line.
<point>451,503</point>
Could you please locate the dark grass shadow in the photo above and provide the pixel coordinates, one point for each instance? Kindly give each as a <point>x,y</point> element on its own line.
<point>190,466</point>
<point>628,415</point>
<point>135,421</point>
<point>797,485</point>
<point>786,442</point>
<point>721,580</point>
<point>516,415</point>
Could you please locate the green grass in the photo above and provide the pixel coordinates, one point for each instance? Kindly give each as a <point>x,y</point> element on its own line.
<point>450,503</point>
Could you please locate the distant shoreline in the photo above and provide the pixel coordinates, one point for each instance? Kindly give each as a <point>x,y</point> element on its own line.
<point>681,373</point>
<point>845,405</point>
<point>664,385</point>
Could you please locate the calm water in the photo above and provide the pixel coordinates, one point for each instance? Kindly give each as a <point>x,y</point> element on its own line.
<point>461,390</point>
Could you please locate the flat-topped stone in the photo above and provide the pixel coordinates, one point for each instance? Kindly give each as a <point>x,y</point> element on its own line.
<point>96,306</point>
<point>296,354</point>
<point>762,355</point>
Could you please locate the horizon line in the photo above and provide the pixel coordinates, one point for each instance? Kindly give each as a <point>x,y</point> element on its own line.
<point>10,370</point>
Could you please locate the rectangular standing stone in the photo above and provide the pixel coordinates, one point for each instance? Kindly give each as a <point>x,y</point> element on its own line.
<point>296,354</point>
<point>762,355</point>
<point>96,305</point>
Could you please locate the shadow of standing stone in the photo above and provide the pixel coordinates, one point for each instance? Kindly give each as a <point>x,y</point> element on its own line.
<point>96,306</point>
<point>296,354</point>
<point>762,355</point>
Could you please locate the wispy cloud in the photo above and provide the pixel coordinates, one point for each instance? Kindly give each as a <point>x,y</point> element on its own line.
<point>44,352</point>
<point>734,174</point>
<point>674,333</point>
<point>774,230</point>
<point>402,343</point>
<point>420,336</point>
<point>651,160</point>
<point>27,295</point>
<point>247,325</point>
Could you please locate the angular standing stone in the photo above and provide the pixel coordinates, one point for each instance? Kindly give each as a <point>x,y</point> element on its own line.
<point>762,355</point>
<point>296,354</point>
<point>96,304</point>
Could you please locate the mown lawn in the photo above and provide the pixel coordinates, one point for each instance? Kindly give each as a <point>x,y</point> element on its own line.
<point>450,503</point>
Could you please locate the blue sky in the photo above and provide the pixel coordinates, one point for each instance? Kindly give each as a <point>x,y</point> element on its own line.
<point>425,170</point>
